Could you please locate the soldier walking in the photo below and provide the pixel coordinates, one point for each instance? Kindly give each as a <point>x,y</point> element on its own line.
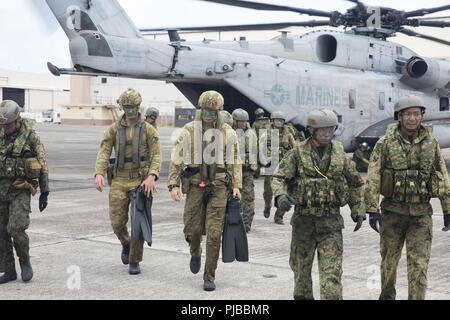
<point>248,142</point>
<point>137,163</point>
<point>204,180</point>
<point>407,168</point>
<point>23,170</point>
<point>286,143</point>
<point>325,180</point>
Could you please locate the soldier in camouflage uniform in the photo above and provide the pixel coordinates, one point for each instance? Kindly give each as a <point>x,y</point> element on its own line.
<point>318,178</point>
<point>248,143</point>
<point>361,157</point>
<point>151,116</point>
<point>407,168</point>
<point>260,126</point>
<point>286,143</point>
<point>298,135</point>
<point>23,169</point>
<point>205,181</point>
<point>261,122</point>
<point>138,163</point>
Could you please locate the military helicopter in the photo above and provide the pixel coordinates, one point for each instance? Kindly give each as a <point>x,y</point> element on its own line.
<point>356,73</point>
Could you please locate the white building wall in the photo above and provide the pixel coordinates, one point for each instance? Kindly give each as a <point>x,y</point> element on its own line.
<point>40,100</point>
<point>156,94</point>
<point>42,92</point>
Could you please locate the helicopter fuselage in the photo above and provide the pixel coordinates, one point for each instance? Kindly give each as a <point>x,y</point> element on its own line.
<point>358,77</point>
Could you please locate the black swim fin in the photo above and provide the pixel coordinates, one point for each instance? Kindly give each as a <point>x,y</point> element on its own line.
<point>141,217</point>
<point>234,240</point>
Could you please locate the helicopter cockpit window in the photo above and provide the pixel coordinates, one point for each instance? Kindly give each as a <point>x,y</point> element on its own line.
<point>352,99</point>
<point>444,104</point>
<point>382,101</point>
<point>326,48</point>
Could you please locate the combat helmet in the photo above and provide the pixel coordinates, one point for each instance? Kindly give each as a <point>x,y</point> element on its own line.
<point>152,112</point>
<point>365,146</point>
<point>322,118</point>
<point>278,115</point>
<point>211,100</point>
<point>226,117</point>
<point>240,115</point>
<point>259,113</point>
<point>130,98</point>
<point>9,112</point>
<point>407,102</point>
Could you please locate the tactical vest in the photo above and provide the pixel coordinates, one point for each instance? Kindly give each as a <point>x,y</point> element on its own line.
<point>321,191</point>
<point>12,163</point>
<point>138,161</point>
<point>405,182</point>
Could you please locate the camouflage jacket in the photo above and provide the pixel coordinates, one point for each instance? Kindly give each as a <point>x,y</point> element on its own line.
<point>407,174</point>
<point>190,148</point>
<point>261,124</point>
<point>298,135</point>
<point>320,186</point>
<point>248,142</point>
<point>286,142</point>
<point>358,156</point>
<point>26,139</point>
<point>149,148</point>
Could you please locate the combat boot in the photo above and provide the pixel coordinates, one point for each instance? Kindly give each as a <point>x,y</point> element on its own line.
<point>266,212</point>
<point>195,264</point>
<point>125,254</point>
<point>27,270</point>
<point>8,277</point>
<point>209,285</point>
<point>134,268</point>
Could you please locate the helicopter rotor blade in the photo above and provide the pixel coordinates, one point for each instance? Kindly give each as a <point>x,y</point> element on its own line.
<point>427,23</point>
<point>359,3</point>
<point>244,27</point>
<point>271,7</point>
<point>422,12</point>
<point>412,33</point>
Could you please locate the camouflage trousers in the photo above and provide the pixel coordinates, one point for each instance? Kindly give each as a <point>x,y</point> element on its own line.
<point>120,196</point>
<point>14,221</point>
<point>268,193</point>
<point>248,197</point>
<point>396,229</point>
<point>323,234</point>
<point>193,225</point>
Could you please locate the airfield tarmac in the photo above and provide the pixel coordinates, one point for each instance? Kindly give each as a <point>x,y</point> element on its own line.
<point>75,254</point>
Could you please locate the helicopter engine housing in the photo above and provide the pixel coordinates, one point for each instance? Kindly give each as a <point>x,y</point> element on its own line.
<point>423,73</point>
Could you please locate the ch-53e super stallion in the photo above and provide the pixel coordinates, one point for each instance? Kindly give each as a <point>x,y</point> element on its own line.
<point>356,73</point>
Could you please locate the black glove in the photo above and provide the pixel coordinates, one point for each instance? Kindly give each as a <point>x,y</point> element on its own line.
<point>43,201</point>
<point>446,221</point>
<point>374,221</point>
<point>285,203</point>
<point>359,221</point>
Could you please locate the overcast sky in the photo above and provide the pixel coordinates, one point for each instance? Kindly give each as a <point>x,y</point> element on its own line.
<point>30,36</point>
